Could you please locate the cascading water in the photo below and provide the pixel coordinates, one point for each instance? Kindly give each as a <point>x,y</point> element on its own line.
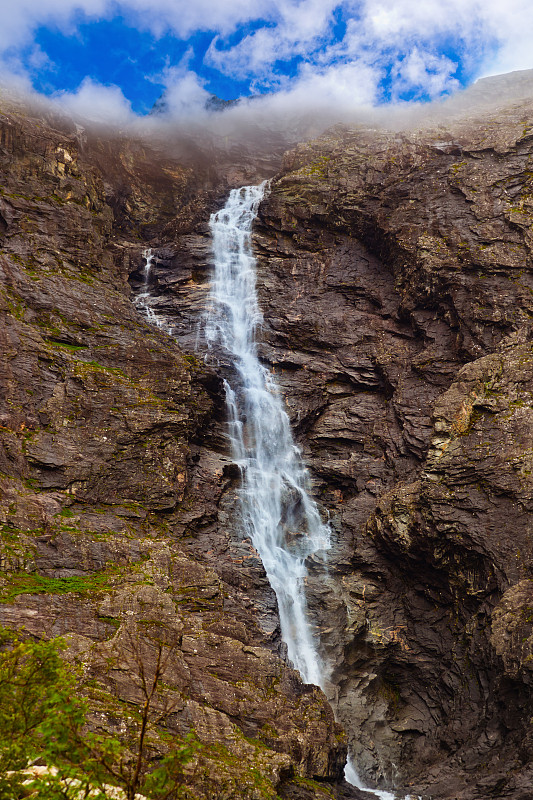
<point>142,300</point>
<point>278,513</point>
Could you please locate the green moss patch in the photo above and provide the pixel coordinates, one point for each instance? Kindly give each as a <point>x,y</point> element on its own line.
<point>73,348</point>
<point>32,583</point>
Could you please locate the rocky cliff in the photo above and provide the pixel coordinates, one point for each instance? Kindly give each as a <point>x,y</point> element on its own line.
<point>395,280</point>
<point>113,466</point>
<point>397,288</point>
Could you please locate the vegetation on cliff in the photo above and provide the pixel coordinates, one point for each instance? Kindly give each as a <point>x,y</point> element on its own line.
<point>47,748</point>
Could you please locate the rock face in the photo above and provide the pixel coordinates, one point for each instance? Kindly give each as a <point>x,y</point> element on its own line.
<point>395,281</point>
<point>397,294</point>
<point>116,500</point>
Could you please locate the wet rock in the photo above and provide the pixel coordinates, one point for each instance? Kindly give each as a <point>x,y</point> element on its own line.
<point>395,282</point>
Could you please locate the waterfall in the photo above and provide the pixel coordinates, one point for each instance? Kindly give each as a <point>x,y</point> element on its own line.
<point>142,300</point>
<point>277,511</point>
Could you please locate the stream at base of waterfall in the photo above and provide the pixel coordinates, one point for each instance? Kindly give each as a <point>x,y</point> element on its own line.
<point>277,510</point>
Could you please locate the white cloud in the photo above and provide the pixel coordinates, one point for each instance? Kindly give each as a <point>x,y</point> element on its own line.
<point>300,30</point>
<point>510,25</point>
<point>183,17</point>
<point>97,103</point>
<point>248,57</point>
<point>404,36</point>
<point>389,22</point>
<point>406,39</point>
<point>184,92</point>
<point>419,70</point>
<point>38,59</point>
<point>344,85</point>
<point>20,20</point>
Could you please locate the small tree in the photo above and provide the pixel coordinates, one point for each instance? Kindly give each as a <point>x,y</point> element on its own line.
<point>37,695</point>
<point>43,718</point>
<point>146,660</point>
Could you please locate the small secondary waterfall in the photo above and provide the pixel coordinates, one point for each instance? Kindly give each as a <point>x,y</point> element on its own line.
<point>142,300</point>
<point>278,513</point>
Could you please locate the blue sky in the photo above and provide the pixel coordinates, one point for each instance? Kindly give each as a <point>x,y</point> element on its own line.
<point>100,55</point>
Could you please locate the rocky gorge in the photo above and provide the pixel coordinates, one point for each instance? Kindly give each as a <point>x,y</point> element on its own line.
<point>394,276</point>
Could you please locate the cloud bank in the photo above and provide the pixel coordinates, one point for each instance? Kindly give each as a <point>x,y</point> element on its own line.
<point>344,55</point>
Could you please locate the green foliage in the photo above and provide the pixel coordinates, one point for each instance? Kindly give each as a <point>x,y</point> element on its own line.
<point>43,720</point>
<point>163,781</point>
<point>32,583</point>
<point>28,675</point>
<point>73,348</point>
<point>66,512</point>
<point>38,708</point>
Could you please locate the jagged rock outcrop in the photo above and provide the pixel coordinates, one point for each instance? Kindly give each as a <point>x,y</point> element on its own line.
<point>387,263</point>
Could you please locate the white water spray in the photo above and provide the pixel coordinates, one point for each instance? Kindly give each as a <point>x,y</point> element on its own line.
<point>278,513</point>
<point>142,300</point>
<point>352,777</point>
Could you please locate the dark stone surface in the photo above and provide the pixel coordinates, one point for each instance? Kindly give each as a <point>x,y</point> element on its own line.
<point>395,280</point>
<point>387,262</point>
<point>113,464</point>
